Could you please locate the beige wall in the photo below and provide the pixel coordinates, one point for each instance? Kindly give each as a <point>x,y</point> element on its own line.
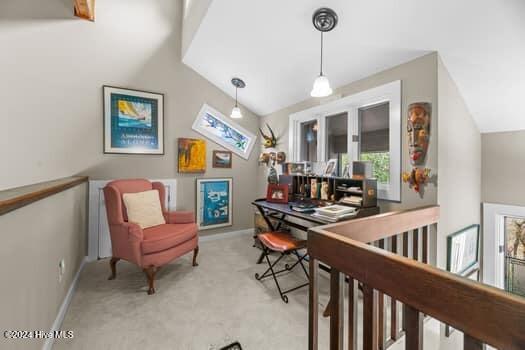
<point>34,240</point>
<point>503,167</point>
<point>419,84</point>
<point>53,67</point>
<point>459,172</point>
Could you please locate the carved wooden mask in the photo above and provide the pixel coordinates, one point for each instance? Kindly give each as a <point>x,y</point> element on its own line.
<point>418,128</point>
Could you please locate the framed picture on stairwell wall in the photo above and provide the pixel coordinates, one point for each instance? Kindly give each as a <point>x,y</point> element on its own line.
<point>133,121</point>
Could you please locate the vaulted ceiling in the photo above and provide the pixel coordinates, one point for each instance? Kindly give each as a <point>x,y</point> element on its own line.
<point>273,45</point>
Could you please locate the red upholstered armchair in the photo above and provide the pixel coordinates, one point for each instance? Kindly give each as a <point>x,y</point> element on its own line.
<point>152,247</point>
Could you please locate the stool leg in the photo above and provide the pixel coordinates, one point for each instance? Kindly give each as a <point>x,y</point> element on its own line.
<point>283,297</point>
<point>300,259</point>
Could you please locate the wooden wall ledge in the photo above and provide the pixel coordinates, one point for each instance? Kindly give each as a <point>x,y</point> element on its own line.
<point>18,197</point>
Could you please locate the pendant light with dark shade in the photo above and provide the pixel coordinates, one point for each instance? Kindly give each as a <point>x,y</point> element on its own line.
<point>236,111</point>
<point>324,20</point>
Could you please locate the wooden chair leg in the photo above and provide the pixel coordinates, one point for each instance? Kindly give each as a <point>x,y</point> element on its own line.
<point>195,253</point>
<point>113,266</point>
<point>150,274</point>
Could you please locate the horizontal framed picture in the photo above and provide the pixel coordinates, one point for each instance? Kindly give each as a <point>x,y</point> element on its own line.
<point>223,131</point>
<point>133,121</point>
<point>463,250</point>
<point>192,155</point>
<point>277,193</point>
<point>214,203</point>
<point>222,159</point>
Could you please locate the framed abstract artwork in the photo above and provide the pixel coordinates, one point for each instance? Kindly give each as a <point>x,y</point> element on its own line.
<point>192,155</point>
<point>222,159</point>
<point>223,131</point>
<point>133,121</point>
<point>214,203</point>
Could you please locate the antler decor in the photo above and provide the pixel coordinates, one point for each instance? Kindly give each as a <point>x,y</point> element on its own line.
<point>269,141</point>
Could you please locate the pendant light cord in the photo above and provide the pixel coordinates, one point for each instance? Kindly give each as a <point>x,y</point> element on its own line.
<point>236,96</point>
<point>321,53</point>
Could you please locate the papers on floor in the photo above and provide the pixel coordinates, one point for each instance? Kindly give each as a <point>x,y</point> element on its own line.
<point>334,213</point>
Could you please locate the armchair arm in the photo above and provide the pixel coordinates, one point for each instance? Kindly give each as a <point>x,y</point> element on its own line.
<point>126,240</point>
<point>179,217</point>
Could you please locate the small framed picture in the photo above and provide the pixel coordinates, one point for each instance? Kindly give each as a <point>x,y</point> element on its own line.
<point>214,203</point>
<point>331,167</point>
<point>277,193</point>
<point>463,250</point>
<point>133,121</point>
<point>222,159</point>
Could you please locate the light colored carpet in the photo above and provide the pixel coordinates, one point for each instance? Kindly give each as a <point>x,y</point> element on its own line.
<point>204,307</point>
<point>199,308</point>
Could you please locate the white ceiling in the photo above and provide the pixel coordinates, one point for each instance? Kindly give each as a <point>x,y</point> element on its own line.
<point>273,45</point>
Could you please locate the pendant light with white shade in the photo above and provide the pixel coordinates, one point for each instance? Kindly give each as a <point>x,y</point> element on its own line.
<point>236,111</point>
<point>324,20</point>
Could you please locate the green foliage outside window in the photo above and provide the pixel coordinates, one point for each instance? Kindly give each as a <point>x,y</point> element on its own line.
<point>380,164</point>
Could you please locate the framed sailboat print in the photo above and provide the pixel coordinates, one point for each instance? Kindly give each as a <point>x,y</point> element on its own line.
<point>133,121</point>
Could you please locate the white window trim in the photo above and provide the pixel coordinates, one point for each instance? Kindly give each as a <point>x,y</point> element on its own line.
<point>493,259</point>
<point>391,93</point>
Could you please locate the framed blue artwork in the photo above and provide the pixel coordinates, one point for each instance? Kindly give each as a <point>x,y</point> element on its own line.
<point>223,131</point>
<point>214,203</point>
<point>133,121</point>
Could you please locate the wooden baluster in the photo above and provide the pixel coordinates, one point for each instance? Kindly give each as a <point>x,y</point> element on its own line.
<point>413,321</point>
<point>313,299</point>
<point>381,330</point>
<point>405,254</point>
<point>369,318</point>
<point>353,290</point>
<point>425,245</point>
<point>415,244</point>
<point>470,343</point>
<point>394,329</point>
<point>336,314</point>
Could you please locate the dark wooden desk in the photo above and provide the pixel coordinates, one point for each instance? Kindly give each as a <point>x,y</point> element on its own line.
<point>280,211</point>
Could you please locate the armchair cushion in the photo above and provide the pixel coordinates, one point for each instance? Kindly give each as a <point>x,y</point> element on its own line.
<point>162,237</point>
<point>143,208</point>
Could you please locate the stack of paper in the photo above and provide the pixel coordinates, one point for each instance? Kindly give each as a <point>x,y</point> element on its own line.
<point>334,213</point>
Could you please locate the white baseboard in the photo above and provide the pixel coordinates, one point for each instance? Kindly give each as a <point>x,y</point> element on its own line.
<point>48,345</point>
<point>248,231</point>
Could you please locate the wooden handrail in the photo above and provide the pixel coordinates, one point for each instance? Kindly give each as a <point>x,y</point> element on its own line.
<point>376,227</point>
<point>482,312</point>
<point>18,197</point>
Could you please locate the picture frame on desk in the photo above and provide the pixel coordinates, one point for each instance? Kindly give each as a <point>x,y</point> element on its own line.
<point>277,193</point>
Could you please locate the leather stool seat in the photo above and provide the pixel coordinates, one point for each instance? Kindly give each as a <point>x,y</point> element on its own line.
<point>280,241</point>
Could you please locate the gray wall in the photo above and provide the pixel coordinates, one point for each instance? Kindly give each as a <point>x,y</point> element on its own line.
<point>459,172</point>
<point>53,67</point>
<point>34,239</point>
<point>419,84</point>
<point>503,167</point>
<point>459,158</point>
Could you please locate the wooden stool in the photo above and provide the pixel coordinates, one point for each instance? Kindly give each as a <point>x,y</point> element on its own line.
<point>285,244</point>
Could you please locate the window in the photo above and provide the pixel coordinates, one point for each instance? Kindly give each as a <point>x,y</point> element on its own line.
<point>364,126</point>
<point>374,143</point>
<point>309,141</point>
<point>514,246</point>
<point>337,140</point>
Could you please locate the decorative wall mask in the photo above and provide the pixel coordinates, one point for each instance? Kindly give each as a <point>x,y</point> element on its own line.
<point>281,157</point>
<point>418,128</point>
<point>264,158</point>
<point>269,141</point>
<point>417,178</point>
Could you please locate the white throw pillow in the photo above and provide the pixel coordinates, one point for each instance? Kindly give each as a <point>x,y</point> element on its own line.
<point>144,209</point>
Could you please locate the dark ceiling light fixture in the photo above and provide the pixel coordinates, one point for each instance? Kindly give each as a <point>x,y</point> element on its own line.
<point>324,20</point>
<point>239,84</point>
